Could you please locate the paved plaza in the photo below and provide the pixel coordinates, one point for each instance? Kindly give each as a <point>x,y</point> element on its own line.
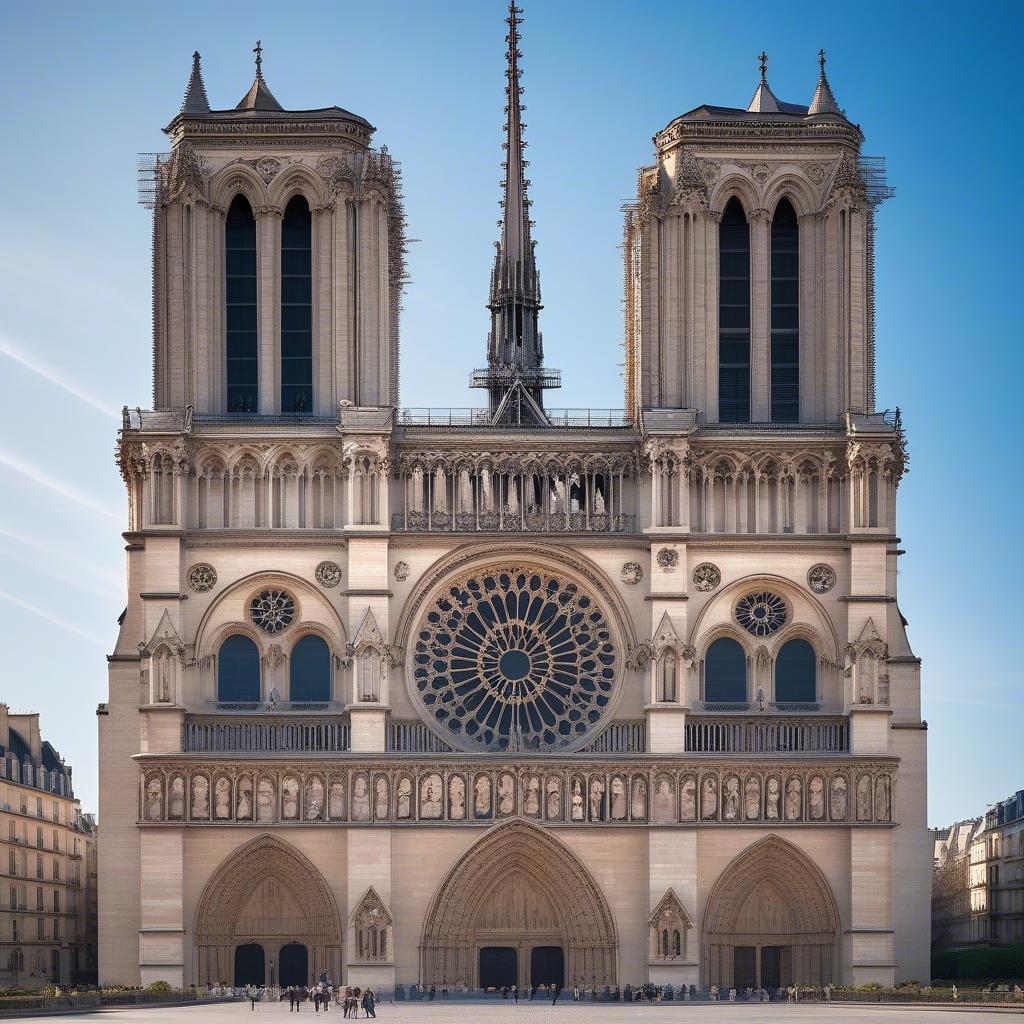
<point>566,1013</point>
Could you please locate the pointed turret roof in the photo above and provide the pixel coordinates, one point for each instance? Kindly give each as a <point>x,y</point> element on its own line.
<point>259,97</point>
<point>764,101</point>
<point>195,101</point>
<point>824,102</point>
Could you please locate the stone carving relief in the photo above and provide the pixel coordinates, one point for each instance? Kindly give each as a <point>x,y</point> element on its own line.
<point>669,924</point>
<point>816,798</point>
<point>577,813</point>
<point>638,806</point>
<point>401,571</point>
<point>336,800</point>
<point>457,798</point>
<point>864,798</point>
<point>222,798</point>
<point>482,796</point>
<point>706,577</point>
<point>553,804</point>
<point>597,791</point>
<point>154,799</point>
<point>506,794</point>
<point>430,797</point>
<point>709,798</point>
<point>837,797</point>
<point>632,573</point>
<point>773,799</point>
<point>531,796</point>
<point>731,799</point>
<point>618,799</point>
<point>314,799</point>
<point>882,798</point>
<point>202,577</point>
<point>360,798</point>
<point>794,799</point>
<point>371,923</point>
<point>266,800</point>
<point>290,798</point>
<point>243,803</point>
<point>752,798</point>
<point>200,797</point>
<point>821,578</point>
<point>688,799</point>
<point>403,799</point>
<point>381,799</point>
<point>667,559</point>
<point>176,798</point>
<point>328,574</point>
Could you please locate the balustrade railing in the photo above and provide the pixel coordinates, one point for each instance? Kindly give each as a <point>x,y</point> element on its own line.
<point>482,417</point>
<point>267,735</point>
<point>766,735</point>
<point>508,521</point>
<point>620,738</point>
<point>413,737</point>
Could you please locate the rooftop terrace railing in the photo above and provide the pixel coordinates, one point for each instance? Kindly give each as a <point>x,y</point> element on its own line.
<point>326,735</point>
<point>579,418</point>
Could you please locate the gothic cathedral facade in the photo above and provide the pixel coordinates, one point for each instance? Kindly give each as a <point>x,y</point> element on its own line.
<point>513,694</point>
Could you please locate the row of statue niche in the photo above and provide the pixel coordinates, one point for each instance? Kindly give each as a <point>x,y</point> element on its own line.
<point>590,799</point>
<point>736,799</point>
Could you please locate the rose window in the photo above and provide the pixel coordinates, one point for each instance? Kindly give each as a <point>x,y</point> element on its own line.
<point>761,614</point>
<point>272,610</point>
<point>514,659</point>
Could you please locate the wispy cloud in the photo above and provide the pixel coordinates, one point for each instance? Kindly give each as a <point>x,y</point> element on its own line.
<point>98,587</point>
<point>108,575</point>
<point>37,476</point>
<point>32,609</point>
<point>9,349</point>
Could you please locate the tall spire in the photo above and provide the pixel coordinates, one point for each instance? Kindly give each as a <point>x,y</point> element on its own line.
<point>259,97</point>
<point>824,102</point>
<point>764,101</point>
<point>515,377</point>
<point>195,101</point>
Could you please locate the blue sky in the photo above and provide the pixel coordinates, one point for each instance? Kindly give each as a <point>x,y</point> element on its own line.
<point>88,86</point>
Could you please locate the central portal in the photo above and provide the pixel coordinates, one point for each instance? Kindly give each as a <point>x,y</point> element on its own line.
<point>499,966</point>
<point>547,966</point>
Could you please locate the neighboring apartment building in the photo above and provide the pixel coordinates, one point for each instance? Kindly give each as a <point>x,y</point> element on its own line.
<point>978,889</point>
<point>48,905</point>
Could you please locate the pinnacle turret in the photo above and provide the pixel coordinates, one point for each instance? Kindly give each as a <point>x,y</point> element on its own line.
<point>764,101</point>
<point>259,97</point>
<point>195,101</point>
<point>824,102</point>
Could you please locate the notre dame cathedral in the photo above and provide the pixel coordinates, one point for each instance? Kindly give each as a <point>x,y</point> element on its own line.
<point>512,694</point>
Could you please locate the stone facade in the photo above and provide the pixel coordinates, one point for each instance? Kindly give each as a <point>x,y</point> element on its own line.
<point>978,887</point>
<point>511,694</point>
<point>48,909</point>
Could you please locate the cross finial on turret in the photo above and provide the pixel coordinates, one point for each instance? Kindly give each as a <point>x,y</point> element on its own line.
<point>258,50</point>
<point>763,58</point>
<point>821,60</point>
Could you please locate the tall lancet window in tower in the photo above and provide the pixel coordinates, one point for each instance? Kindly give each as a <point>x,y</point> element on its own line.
<point>297,308</point>
<point>785,354</point>
<point>734,315</point>
<point>240,307</point>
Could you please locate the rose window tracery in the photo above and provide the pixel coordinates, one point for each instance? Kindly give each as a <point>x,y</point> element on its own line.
<point>761,614</point>
<point>272,610</point>
<point>514,658</point>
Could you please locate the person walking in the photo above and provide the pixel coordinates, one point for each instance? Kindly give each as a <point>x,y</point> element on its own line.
<point>515,993</point>
<point>252,994</point>
<point>556,991</point>
<point>369,1003</point>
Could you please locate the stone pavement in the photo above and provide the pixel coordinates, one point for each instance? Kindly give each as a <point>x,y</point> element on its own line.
<point>565,1013</point>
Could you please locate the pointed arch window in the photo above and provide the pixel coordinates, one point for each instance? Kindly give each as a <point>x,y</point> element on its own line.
<point>240,307</point>
<point>796,673</point>
<point>297,308</point>
<point>310,672</point>
<point>785,323</point>
<point>725,672</point>
<point>238,671</point>
<point>734,315</point>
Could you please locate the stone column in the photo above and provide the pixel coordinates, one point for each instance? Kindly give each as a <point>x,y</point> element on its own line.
<point>760,372</point>
<point>268,249</point>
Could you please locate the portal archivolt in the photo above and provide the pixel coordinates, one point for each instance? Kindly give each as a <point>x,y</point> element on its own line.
<point>771,920</point>
<point>518,889</point>
<point>266,894</point>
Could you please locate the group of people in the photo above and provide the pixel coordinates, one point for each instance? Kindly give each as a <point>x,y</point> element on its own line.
<point>321,996</point>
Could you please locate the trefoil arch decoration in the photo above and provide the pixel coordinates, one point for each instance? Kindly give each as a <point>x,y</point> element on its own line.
<point>669,926</point>
<point>371,924</point>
